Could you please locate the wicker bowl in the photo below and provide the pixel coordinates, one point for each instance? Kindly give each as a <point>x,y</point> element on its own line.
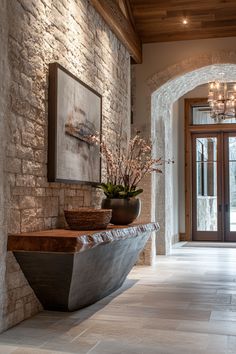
<point>88,218</point>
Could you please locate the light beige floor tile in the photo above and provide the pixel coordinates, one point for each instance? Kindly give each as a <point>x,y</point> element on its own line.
<point>7,349</point>
<point>211,327</point>
<point>78,345</point>
<point>231,344</point>
<point>35,351</point>
<point>186,303</point>
<point>223,316</point>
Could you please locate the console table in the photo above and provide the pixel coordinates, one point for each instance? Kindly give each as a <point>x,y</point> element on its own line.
<point>69,270</point>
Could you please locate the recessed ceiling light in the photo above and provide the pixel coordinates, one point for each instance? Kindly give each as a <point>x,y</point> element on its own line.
<point>185,21</point>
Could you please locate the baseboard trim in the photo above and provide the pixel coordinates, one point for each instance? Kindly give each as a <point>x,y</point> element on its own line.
<point>182,236</point>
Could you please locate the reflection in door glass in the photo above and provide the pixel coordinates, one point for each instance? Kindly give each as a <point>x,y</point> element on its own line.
<point>232,182</point>
<point>201,115</point>
<point>206,175</point>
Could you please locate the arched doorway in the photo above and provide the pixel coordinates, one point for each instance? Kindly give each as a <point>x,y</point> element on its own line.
<point>165,88</point>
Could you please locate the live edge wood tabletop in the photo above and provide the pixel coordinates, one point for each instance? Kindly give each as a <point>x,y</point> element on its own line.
<point>63,240</point>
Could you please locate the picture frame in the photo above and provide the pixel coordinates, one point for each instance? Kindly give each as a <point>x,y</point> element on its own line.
<point>74,112</point>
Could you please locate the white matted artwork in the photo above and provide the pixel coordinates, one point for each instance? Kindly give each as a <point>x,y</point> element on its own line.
<point>75,112</point>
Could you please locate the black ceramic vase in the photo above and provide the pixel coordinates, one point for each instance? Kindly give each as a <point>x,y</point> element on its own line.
<point>124,211</point>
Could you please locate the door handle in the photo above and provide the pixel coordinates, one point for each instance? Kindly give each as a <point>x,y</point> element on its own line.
<point>226,208</point>
<point>220,208</point>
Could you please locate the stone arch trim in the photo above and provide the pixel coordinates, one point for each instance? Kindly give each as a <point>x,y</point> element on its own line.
<point>188,65</point>
<point>158,85</point>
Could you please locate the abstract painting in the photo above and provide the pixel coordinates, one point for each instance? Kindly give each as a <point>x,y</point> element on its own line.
<point>75,112</point>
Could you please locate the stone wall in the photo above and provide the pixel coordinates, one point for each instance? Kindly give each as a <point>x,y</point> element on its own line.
<point>43,31</point>
<point>4,74</point>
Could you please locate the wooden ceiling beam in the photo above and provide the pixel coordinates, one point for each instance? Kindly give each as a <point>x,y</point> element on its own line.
<point>121,26</point>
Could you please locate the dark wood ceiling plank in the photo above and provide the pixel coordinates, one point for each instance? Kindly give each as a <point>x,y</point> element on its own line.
<point>217,24</point>
<point>161,20</point>
<point>190,35</point>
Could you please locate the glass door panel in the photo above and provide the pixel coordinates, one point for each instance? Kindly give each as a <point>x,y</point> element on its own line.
<point>201,115</point>
<point>205,188</point>
<point>207,197</point>
<point>230,187</point>
<point>206,166</point>
<point>232,183</point>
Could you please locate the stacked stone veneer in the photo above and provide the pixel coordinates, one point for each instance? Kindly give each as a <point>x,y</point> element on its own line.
<point>42,31</point>
<point>4,83</point>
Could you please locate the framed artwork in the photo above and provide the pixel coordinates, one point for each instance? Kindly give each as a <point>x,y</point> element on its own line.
<point>75,112</point>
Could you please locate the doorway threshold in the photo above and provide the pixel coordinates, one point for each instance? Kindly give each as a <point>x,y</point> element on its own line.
<point>210,244</point>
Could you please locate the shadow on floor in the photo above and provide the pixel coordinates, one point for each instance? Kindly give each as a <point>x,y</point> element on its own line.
<point>43,327</point>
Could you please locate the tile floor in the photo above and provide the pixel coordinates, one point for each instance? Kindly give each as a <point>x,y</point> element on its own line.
<point>185,304</point>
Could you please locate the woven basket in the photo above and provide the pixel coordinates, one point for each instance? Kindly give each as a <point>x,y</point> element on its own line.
<point>88,218</point>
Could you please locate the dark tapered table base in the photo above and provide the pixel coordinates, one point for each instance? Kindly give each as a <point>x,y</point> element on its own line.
<point>68,281</point>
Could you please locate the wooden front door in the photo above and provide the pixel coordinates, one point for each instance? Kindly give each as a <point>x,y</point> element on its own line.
<point>214,186</point>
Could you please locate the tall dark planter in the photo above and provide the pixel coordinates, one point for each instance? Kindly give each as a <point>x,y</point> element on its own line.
<point>124,211</point>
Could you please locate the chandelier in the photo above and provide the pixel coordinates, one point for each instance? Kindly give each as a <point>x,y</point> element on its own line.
<point>222,100</point>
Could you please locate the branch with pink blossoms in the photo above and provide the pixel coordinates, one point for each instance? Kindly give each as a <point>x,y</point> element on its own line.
<point>127,166</point>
